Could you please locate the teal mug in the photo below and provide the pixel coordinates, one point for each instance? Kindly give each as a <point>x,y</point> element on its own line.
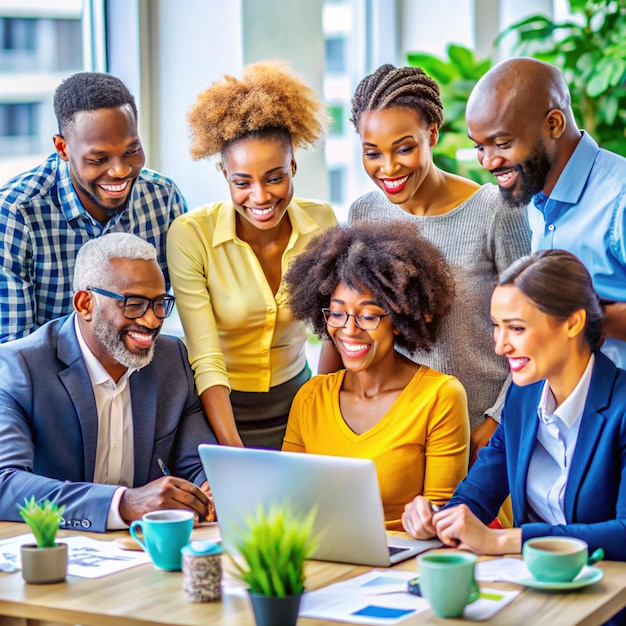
<point>555,559</point>
<point>446,580</point>
<point>162,534</point>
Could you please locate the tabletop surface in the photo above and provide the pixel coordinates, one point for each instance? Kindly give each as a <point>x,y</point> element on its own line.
<point>143,595</point>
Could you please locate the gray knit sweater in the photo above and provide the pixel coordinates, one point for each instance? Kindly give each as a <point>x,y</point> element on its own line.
<point>479,238</point>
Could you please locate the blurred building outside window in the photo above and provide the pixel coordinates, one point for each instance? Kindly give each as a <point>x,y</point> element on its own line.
<point>40,44</point>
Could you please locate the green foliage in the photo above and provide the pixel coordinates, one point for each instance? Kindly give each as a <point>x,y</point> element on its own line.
<point>43,520</point>
<point>589,51</point>
<point>456,77</point>
<point>275,545</point>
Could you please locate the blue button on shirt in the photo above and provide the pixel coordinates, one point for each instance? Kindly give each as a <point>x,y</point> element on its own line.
<point>42,226</point>
<point>586,215</point>
<point>554,450</point>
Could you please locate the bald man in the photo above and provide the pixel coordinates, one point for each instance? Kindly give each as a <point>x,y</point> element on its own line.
<point>520,117</point>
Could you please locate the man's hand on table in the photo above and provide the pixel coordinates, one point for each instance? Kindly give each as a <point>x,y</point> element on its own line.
<point>168,492</point>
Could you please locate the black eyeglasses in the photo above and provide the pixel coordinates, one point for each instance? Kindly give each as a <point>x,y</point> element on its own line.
<point>136,306</point>
<point>338,319</point>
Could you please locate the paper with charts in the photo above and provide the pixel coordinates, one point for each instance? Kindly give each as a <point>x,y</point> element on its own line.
<point>88,558</point>
<point>381,597</point>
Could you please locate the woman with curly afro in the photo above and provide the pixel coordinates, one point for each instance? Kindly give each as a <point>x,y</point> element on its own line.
<point>397,113</point>
<point>370,289</point>
<point>226,259</point>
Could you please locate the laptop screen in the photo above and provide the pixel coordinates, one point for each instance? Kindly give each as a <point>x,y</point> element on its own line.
<point>349,519</point>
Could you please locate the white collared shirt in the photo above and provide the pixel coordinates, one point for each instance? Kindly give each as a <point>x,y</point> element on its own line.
<point>554,449</point>
<point>115,458</point>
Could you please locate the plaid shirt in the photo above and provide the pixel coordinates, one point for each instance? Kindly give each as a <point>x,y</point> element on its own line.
<point>42,226</point>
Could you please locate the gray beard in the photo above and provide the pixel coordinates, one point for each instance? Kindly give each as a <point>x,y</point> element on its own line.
<point>113,341</point>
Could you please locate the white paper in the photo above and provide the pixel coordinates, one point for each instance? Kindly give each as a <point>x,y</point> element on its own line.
<point>373,598</point>
<point>489,603</point>
<point>504,569</point>
<point>512,570</point>
<point>87,558</point>
<point>359,600</point>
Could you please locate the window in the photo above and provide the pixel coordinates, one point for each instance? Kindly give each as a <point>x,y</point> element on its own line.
<point>69,42</point>
<point>337,182</point>
<point>336,55</point>
<point>36,52</point>
<point>18,128</point>
<point>17,34</point>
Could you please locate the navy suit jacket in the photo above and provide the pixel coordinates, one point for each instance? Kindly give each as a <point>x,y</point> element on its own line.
<point>595,494</point>
<point>49,423</point>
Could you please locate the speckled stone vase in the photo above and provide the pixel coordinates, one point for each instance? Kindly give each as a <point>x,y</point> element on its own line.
<point>202,571</point>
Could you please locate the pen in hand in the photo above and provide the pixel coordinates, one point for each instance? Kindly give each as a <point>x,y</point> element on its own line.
<point>163,467</point>
<point>210,517</point>
<point>435,509</point>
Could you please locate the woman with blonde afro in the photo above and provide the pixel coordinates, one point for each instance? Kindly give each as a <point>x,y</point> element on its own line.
<point>227,259</point>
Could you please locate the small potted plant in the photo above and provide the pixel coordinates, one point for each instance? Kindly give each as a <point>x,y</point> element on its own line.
<point>274,545</point>
<point>45,561</point>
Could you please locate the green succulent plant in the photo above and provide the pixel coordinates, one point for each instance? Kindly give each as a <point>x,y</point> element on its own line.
<point>43,520</point>
<point>274,545</point>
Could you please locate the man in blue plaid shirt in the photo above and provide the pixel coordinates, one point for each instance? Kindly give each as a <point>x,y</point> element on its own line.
<point>93,184</point>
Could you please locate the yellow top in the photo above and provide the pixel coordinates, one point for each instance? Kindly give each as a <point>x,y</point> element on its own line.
<point>420,446</point>
<point>238,334</point>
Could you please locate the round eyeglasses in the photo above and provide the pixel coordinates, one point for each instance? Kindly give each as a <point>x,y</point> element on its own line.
<point>136,306</point>
<point>338,319</point>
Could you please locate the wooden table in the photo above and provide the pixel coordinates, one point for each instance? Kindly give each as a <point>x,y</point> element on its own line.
<point>143,596</point>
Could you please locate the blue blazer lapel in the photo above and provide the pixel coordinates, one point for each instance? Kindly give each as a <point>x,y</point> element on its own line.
<point>77,383</point>
<point>144,402</point>
<point>591,426</point>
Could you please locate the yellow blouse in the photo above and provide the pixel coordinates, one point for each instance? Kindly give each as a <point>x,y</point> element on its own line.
<point>420,446</point>
<point>238,334</point>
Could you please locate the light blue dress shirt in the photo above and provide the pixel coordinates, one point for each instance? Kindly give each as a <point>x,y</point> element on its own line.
<point>554,449</point>
<point>586,215</point>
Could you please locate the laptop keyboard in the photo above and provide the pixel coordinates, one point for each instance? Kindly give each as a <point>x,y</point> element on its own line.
<point>395,549</point>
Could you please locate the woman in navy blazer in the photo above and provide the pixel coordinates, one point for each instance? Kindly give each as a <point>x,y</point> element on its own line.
<point>561,447</point>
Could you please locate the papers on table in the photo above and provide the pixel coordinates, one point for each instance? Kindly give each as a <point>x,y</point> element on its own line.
<point>88,558</point>
<point>381,597</point>
<point>503,569</point>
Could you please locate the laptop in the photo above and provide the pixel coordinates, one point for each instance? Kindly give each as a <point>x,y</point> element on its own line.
<point>349,518</point>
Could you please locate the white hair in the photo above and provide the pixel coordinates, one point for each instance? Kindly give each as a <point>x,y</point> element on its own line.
<point>92,261</point>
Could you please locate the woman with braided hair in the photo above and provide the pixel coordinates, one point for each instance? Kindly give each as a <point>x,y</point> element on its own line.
<point>371,288</point>
<point>397,113</point>
<point>226,259</point>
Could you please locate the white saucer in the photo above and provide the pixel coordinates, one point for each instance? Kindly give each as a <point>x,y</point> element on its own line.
<point>588,576</point>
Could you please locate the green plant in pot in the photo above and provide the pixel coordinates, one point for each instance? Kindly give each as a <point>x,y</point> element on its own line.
<point>46,560</point>
<point>273,545</point>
